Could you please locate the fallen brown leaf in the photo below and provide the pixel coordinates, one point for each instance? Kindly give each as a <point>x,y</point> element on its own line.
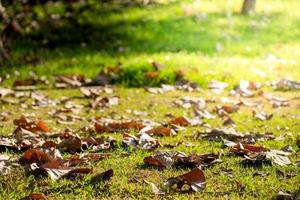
<point>35,196</point>
<point>143,141</point>
<point>195,179</point>
<point>103,176</point>
<point>161,131</point>
<point>118,126</point>
<point>262,115</point>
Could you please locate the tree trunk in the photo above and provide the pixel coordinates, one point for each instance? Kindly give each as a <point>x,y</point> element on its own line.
<point>4,18</point>
<point>248,7</point>
<point>4,54</point>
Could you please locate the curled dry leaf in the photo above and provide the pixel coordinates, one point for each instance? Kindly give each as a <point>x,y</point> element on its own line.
<point>4,164</point>
<point>161,131</point>
<point>64,81</point>
<point>245,89</point>
<point>254,158</point>
<point>41,162</point>
<point>23,140</point>
<point>195,179</point>
<point>9,143</point>
<point>168,87</point>
<point>118,126</point>
<point>288,148</point>
<point>4,157</point>
<point>259,154</point>
<point>76,144</point>
<point>286,84</point>
<point>185,85</point>
<point>229,143</point>
<point>242,149</point>
<point>154,188</point>
<point>262,115</point>
<point>104,102</point>
<point>278,157</point>
<point>94,92</point>
<point>275,101</point>
<point>195,160</point>
<point>217,86</point>
<point>97,143</point>
<point>180,85</point>
<point>284,196</point>
<point>166,158</point>
<point>31,125</point>
<point>47,162</point>
<point>29,82</point>
<point>5,92</point>
<point>244,102</point>
<point>226,109</point>
<point>41,100</point>
<point>184,121</point>
<point>101,80</point>
<point>153,90</point>
<point>219,134</point>
<point>103,176</point>
<point>35,196</point>
<point>107,76</point>
<point>38,156</point>
<point>79,159</point>
<point>57,172</point>
<point>204,114</point>
<point>188,102</point>
<point>143,141</point>
<point>71,145</point>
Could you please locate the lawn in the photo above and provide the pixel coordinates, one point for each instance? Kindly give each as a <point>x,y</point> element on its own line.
<point>131,172</point>
<point>203,40</point>
<point>207,40</point>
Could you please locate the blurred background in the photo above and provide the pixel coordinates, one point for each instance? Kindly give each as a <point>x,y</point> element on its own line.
<point>200,39</point>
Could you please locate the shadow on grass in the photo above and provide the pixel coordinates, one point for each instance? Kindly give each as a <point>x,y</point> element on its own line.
<point>104,30</point>
<point>256,164</point>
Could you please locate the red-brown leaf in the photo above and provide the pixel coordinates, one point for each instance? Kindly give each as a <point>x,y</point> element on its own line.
<point>36,156</point>
<point>162,131</point>
<point>35,196</point>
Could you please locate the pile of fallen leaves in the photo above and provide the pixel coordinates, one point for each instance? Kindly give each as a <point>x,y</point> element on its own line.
<point>42,148</point>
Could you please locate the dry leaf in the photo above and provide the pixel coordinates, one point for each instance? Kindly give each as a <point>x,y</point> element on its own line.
<point>195,179</point>
<point>262,116</point>
<point>143,141</point>
<point>161,131</point>
<point>118,126</point>
<point>166,158</point>
<point>103,176</point>
<point>184,121</point>
<point>154,188</point>
<point>35,196</point>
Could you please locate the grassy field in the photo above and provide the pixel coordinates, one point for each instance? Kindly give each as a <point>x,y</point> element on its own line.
<point>207,40</point>
<point>130,172</point>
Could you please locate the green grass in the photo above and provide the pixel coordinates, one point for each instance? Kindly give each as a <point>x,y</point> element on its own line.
<point>127,182</point>
<point>263,46</point>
